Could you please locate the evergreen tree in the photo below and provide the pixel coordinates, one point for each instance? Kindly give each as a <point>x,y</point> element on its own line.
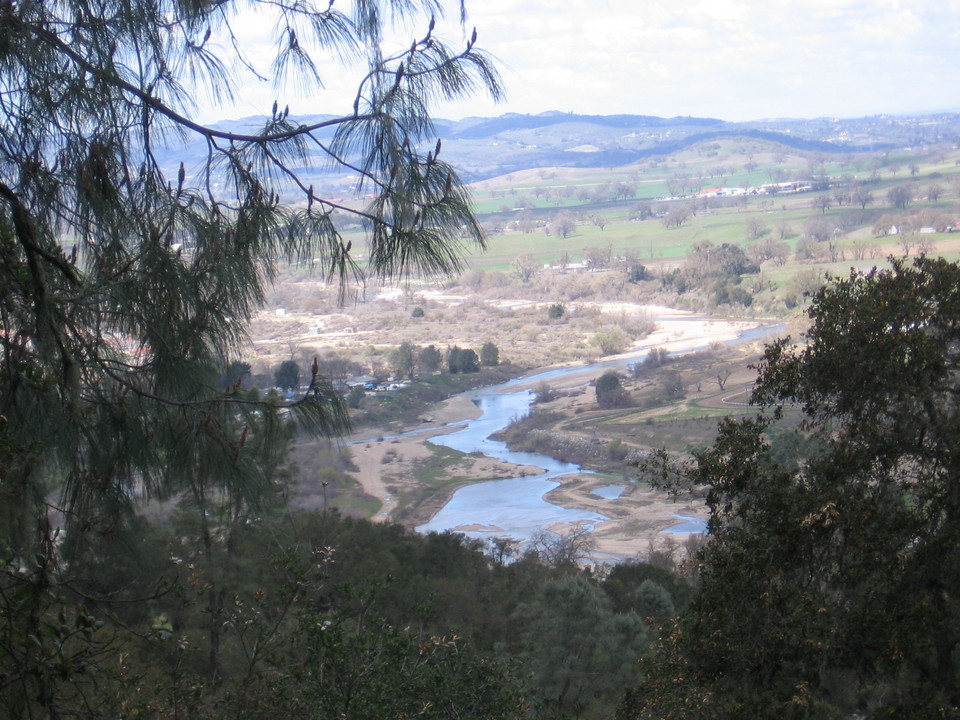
<point>578,651</point>
<point>236,373</point>
<point>429,359</point>
<point>462,360</point>
<point>489,355</point>
<point>127,278</point>
<point>287,375</point>
<point>610,392</point>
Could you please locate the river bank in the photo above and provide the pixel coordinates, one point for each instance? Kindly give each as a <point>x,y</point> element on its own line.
<point>397,469</point>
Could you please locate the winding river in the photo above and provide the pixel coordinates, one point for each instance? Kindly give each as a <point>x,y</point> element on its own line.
<point>516,507</point>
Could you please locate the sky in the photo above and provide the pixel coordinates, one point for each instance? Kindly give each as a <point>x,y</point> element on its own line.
<point>729,59</point>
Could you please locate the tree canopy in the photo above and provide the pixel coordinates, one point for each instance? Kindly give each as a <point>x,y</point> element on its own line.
<point>126,288</point>
<point>126,279</point>
<point>831,583</point>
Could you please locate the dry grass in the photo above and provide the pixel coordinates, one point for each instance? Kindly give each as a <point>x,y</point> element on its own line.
<point>302,320</point>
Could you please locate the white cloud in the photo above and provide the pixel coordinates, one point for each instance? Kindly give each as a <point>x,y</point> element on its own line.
<point>733,59</point>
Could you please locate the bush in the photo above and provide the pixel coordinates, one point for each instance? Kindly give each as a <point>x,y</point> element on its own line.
<point>543,393</point>
<point>655,358</point>
<point>355,397</point>
<point>417,312</point>
<point>556,311</point>
<point>460,360</point>
<point>489,355</point>
<point>617,450</point>
<point>610,392</point>
<point>610,342</point>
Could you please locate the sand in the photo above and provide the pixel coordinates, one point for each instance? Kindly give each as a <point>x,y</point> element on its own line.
<point>638,518</point>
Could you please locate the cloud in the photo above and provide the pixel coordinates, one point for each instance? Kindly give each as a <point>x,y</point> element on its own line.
<point>733,59</point>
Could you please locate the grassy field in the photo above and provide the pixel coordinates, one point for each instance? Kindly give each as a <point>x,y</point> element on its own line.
<point>541,195</point>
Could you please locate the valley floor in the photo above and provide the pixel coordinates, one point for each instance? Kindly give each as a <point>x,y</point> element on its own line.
<point>387,466</point>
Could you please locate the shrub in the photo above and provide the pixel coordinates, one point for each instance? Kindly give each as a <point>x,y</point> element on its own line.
<point>355,397</point>
<point>610,342</point>
<point>543,393</point>
<point>617,450</point>
<point>489,355</point>
<point>610,392</point>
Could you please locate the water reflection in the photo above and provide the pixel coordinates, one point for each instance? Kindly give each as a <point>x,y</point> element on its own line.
<point>689,526</point>
<point>609,492</point>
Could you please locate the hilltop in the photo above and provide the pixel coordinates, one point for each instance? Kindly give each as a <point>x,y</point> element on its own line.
<point>483,147</point>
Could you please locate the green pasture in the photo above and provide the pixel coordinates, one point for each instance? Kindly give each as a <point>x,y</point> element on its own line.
<point>727,220</point>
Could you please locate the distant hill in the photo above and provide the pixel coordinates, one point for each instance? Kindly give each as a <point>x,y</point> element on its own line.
<point>488,147</point>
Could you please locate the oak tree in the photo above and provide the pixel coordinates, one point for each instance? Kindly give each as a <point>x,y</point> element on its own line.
<point>831,582</point>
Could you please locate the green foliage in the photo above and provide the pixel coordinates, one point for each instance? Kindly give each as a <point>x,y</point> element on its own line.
<point>235,374</point>
<point>727,293</point>
<point>417,312</point>
<point>127,281</point>
<point>636,272</point>
<point>429,359</point>
<point>489,355</point>
<point>555,311</point>
<point>403,359</point>
<point>624,582</point>
<point>577,649</point>
<point>354,665</point>
<point>355,397</point>
<point>461,360</point>
<point>840,553</point>
<point>610,392</point>
<point>287,375</point>
<point>610,342</point>
<point>654,602</point>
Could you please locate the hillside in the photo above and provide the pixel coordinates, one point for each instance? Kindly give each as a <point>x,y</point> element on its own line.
<point>488,147</point>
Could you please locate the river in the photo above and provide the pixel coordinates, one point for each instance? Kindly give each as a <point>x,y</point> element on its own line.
<point>516,507</point>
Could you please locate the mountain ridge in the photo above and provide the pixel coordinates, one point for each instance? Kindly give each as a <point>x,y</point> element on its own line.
<point>486,147</point>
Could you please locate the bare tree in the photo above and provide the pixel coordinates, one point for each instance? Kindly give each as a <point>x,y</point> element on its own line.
<point>925,245</point>
<point>722,375</point>
<point>905,241</point>
<point>525,267</point>
<point>555,549</point>
<point>862,196</point>
<point>900,196</point>
<point>818,229</point>
<point>676,216</point>
<point>563,224</point>
<point>859,248</point>
<point>756,228</point>
<point>784,229</point>
<point>598,257</point>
